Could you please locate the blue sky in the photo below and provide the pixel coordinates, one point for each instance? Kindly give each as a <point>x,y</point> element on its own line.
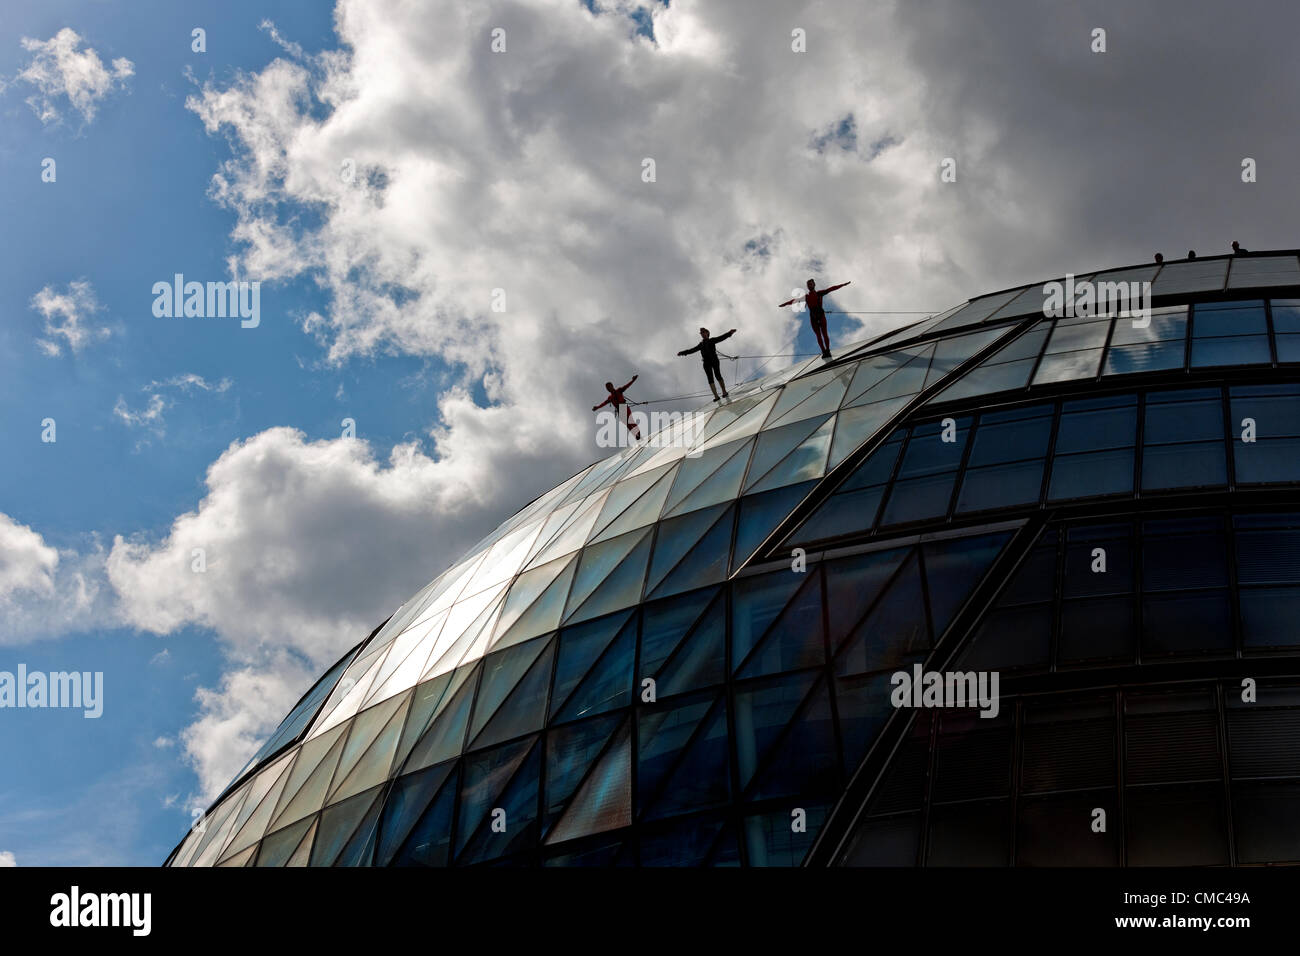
<point>129,208</point>
<point>480,171</point>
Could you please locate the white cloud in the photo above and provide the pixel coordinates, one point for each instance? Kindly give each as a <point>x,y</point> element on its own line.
<point>164,743</point>
<point>7,859</point>
<point>61,69</point>
<point>150,418</point>
<point>45,593</point>
<point>150,415</point>
<point>66,316</point>
<point>308,545</point>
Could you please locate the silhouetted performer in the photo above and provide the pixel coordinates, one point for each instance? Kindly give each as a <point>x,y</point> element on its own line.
<point>709,353</point>
<point>616,399</point>
<point>816,315</point>
<point>1159,258</point>
<point>1191,253</point>
<point>1236,249</point>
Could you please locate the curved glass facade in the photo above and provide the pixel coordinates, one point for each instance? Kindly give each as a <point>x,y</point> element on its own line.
<point>686,654</point>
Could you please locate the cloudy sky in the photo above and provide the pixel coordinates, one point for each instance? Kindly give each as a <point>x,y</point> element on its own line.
<point>456,245</point>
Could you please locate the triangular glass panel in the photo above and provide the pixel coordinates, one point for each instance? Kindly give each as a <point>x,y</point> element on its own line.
<point>604,801</point>
<point>406,662</point>
<point>570,751</point>
<point>795,640</point>
<point>279,846</point>
<point>360,850</point>
<point>550,579</point>
<point>952,352</point>
<point>693,472</point>
<point>524,710</point>
<point>705,563</point>
<point>743,427</point>
<point>543,614</point>
<point>241,858</point>
<point>429,841</point>
<point>662,732</point>
<point>805,463</point>
<point>485,775</point>
<point>700,660</point>
<point>305,795</point>
<point>775,443</point>
<point>337,824</point>
<point>894,632</point>
<point>953,568</point>
<point>762,713</point>
<point>609,683</point>
<point>571,537</point>
<point>756,603</point>
<point>853,584</point>
<point>256,812</point>
<point>805,761</point>
<point>406,802</point>
<point>759,516</point>
<point>366,729</point>
<point>798,391</point>
<point>676,537</point>
<point>373,766</point>
<point>701,778</point>
<point>620,587</point>
<point>722,485</point>
<point>597,563</point>
<point>645,510</point>
<point>825,400</point>
<point>874,370</point>
<point>302,856</point>
<point>502,671</point>
<point>907,380</point>
<point>518,801</point>
<point>579,647</point>
<point>621,497</point>
<point>855,425</point>
<point>663,625</point>
<point>446,735</point>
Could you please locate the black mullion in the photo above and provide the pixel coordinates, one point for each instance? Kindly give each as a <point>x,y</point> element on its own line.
<point>1049,454</point>
<point>1229,431</point>
<point>959,475</point>
<point>1272,336</point>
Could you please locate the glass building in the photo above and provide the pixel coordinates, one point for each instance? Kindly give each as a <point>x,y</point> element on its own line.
<point>686,654</point>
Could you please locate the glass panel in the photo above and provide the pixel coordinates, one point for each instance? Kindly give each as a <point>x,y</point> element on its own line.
<point>604,802</point>
<point>1251,272</point>
<point>580,647</point>
<point>1198,275</point>
<point>524,710</point>
<point>762,713</point>
<point>704,563</point>
<point>570,752</point>
<point>609,682</point>
<point>759,516</point>
<point>1272,413</point>
<point>621,588</point>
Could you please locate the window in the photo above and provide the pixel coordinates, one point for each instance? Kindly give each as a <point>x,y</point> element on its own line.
<point>1094,448</point>
<point>1006,460</point>
<point>1266,443</point>
<point>1230,333</point>
<point>1183,440</point>
<point>927,472</point>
